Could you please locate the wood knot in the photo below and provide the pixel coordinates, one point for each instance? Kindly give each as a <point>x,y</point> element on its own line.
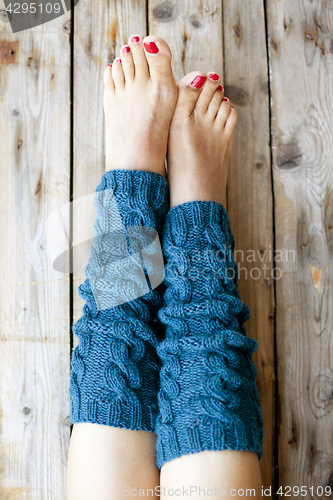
<point>237,31</point>
<point>26,410</point>
<point>316,274</point>
<point>4,16</point>
<point>164,11</point>
<point>259,166</point>
<point>289,156</point>
<point>195,21</point>
<point>293,440</point>
<point>67,27</point>
<point>236,95</point>
<point>8,52</point>
<point>320,474</point>
<point>322,395</point>
<point>38,187</point>
<point>275,45</point>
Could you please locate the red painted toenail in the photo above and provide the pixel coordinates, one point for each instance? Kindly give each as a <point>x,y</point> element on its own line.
<point>151,47</point>
<point>232,107</point>
<point>135,39</point>
<point>126,49</point>
<point>118,60</point>
<point>220,88</point>
<point>198,82</point>
<point>214,77</point>
<point>109,65</point>
<point>225,99</point>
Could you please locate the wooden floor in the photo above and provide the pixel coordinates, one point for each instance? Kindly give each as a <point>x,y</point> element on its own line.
<point>277,60</point>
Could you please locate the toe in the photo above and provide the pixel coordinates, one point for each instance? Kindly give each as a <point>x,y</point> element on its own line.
<point>215,103</point>
<point>223,113</point>
<point>158,55</point>
<point>108,80</point>
<point>141,69</point>
<point>118,73</point>
<point>231,120</point>
<point>128,63</point>
<point>208,90</point>
<point>190,87</point>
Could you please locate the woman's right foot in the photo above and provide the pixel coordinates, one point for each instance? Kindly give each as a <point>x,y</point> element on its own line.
<point>139,99</point>
<point>200,140</point>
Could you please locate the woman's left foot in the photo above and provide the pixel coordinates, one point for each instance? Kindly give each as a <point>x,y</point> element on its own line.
<point>200,142</point>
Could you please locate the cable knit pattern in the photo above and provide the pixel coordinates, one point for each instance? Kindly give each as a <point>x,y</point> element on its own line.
<point>115,369</point>
<point>208,399</point>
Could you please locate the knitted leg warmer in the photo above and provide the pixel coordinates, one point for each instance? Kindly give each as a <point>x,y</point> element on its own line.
<point>114,376</point>
<point>208,399</point>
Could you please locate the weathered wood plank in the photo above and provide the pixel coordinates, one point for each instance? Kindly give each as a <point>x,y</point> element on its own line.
<point>34,313</point>
<point>301,57</point>
<point>193,30</point>
<point>250,193</point>
<point>102,29</point>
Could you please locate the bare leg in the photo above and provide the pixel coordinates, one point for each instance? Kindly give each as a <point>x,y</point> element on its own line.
<point>200,144</point>
<point>139,100</point>
<point>107,462</point>
<point>226,470</point>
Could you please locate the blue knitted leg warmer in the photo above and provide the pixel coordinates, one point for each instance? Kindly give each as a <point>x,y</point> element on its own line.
<point>114,376</point>
<point>208,399</point>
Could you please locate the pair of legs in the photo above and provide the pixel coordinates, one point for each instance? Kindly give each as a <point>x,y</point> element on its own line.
<point>148,118</point>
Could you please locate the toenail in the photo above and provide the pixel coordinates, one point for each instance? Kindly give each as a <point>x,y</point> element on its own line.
<point>109,65</point>
<point>118,60</point>
<point>135,39</point>
<point>232,107</point>
<point>126,49</point>
<point>225,99</point>
<point>198,82</point>
<point>214,77</point>
<point>220,88</point>
<point>151,47</point>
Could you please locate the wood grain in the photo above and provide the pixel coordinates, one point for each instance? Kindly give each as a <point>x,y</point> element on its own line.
<point>301,59</point>
<point>34,312</point>
<point>102,29</point>
<point>193,30</point>
<point>250,193</point>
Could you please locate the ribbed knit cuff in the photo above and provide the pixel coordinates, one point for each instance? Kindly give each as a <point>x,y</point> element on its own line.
<point>208,399</point>
<point>115,369</point>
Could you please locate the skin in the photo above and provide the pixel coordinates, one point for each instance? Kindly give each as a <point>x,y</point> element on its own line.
<point>148,117</point>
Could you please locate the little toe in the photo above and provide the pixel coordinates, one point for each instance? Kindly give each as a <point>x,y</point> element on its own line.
<point>208,90</point>
<point>141,68</point>
<point>190,87</point>
<point>108,80</point>
<point>127,62</point>
<point>158,55</point>
<point>118,73</point>
<point>223,113</point>
<point>231,121</point>
<point>215,103</point>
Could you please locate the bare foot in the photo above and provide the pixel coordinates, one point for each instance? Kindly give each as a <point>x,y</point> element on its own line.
<point>139,100</point>
<point>200,141</point>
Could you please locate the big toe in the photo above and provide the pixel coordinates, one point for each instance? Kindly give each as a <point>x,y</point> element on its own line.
<point>158,55</point>
<point>190,87</point>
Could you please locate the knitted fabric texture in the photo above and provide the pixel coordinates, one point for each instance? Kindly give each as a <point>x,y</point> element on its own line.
<point>208,399</point>
<point>115,369</point>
